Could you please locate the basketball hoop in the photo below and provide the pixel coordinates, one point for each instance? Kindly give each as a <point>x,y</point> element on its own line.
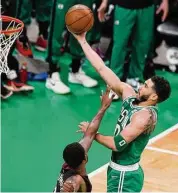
<point>10,29</point>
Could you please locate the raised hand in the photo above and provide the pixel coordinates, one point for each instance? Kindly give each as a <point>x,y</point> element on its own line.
<point>106,98</point>
<point>83,127</point>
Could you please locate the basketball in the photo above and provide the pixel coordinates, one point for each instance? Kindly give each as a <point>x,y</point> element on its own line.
<point>79,19</point>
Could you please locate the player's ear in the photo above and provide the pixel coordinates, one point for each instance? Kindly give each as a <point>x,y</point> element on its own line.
<point>86,158</point>
<point>154,97</point>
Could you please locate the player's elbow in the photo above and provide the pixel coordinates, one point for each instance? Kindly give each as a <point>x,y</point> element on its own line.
<point>113,148</point>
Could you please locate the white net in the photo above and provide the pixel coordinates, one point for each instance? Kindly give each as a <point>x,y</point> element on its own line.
<point>7,38</point>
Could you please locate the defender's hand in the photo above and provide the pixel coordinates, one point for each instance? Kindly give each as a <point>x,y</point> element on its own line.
<point>106,98</point>
<point>83,127</point>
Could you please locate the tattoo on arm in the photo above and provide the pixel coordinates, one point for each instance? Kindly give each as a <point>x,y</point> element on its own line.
<point>150,125</point>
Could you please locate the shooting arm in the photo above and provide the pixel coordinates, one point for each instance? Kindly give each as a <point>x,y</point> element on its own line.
<point>108,75</point>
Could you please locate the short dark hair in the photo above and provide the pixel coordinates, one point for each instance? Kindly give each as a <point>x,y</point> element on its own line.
<point>74,154</point>
<point>162,88</point>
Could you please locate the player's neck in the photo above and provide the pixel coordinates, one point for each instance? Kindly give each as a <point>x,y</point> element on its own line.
<point>82,170</point>
<point>146,103</point>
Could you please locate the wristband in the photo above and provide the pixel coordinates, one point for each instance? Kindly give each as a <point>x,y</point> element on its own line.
<point>120,143</point>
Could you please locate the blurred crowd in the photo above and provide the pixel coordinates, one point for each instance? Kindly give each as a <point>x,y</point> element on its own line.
<point>130,27</point>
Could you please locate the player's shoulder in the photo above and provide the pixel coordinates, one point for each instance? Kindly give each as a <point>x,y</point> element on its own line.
<point>149,111</point>
<point>145,115</point>
<point>130,98</point>
<point>80,183</point>
<point>73,183</point>
<point>146,119</point>
<point>141,116</point>
<point>128,91</point>
<point>75,178</point>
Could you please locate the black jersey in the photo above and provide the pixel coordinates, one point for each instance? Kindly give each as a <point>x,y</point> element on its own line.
<point>67,172</point>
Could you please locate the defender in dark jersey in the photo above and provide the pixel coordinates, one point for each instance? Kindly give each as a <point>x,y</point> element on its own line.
<point>73,176</point>
<point>136,122</point>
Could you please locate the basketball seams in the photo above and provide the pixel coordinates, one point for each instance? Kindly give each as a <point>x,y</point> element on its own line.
<point>85,27</point>
<point>69,12</point>
<point>80,19</point>
<point>88,23</point>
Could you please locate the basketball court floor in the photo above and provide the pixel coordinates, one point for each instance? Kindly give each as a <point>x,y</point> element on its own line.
<point>36,127</point>
<point>159,162</point>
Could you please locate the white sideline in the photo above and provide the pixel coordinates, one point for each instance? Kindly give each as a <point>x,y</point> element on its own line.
<point>151,141</point>
<point>162,150</point>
